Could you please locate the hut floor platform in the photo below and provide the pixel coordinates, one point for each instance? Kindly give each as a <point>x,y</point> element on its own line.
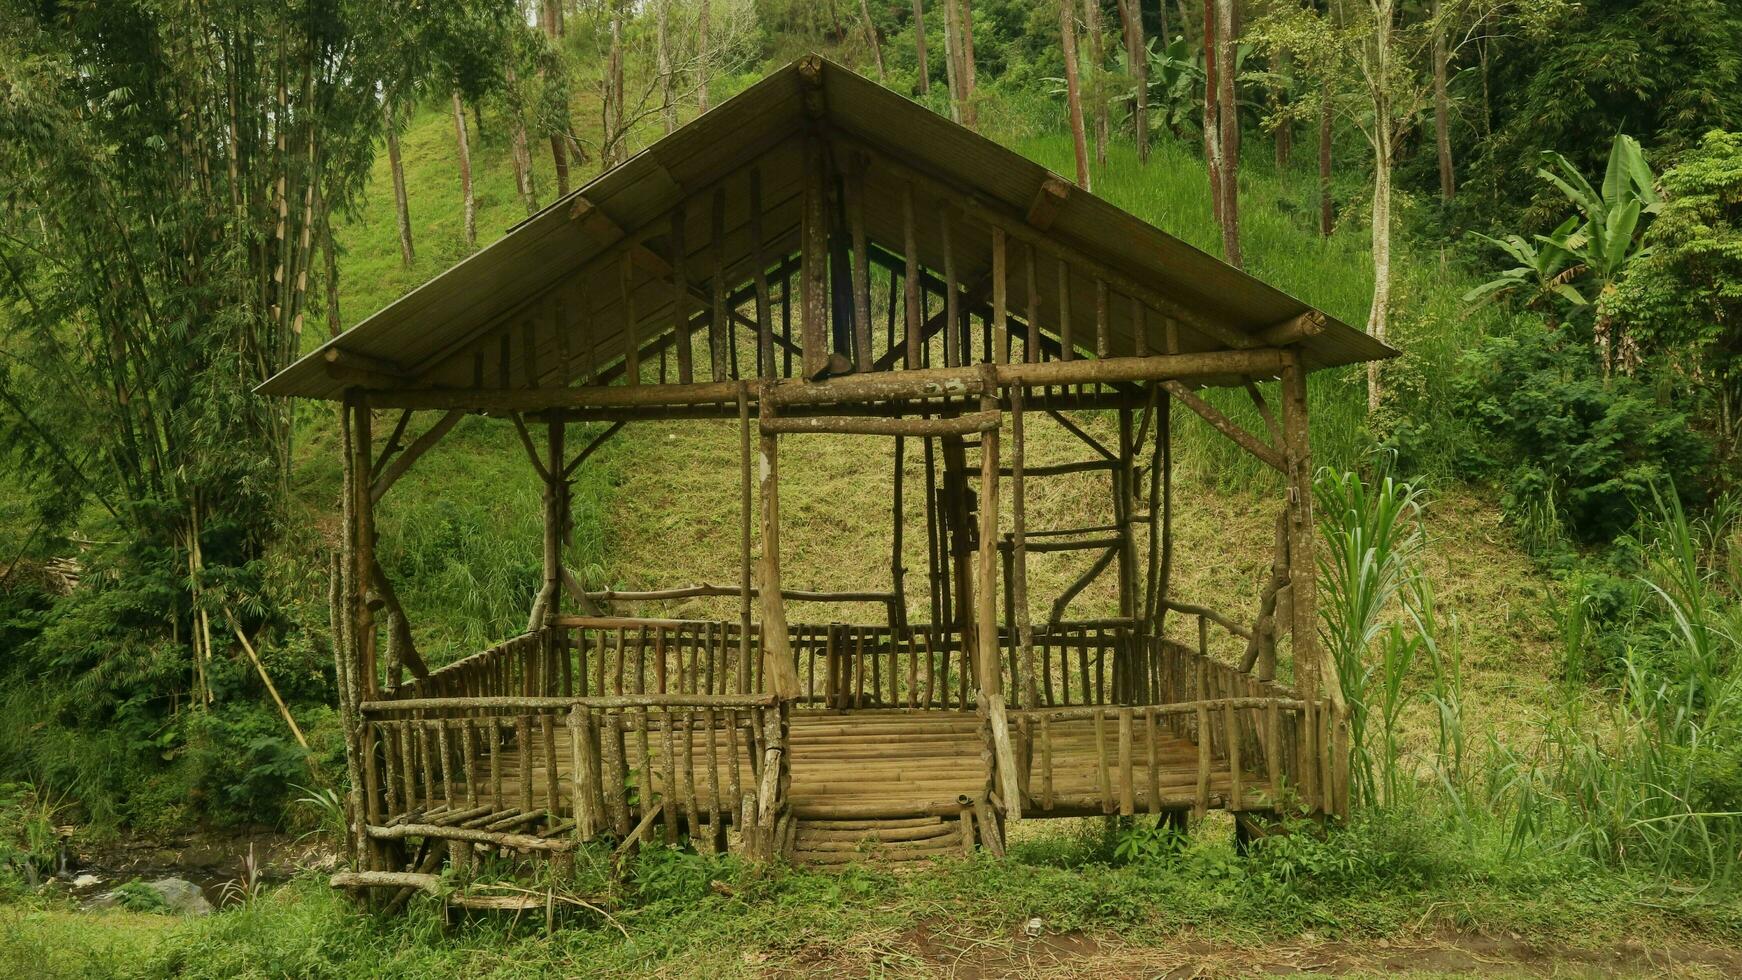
<point>866,783</point>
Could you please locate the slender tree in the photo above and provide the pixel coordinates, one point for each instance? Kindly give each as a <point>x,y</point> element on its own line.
<point>1096,84</point>
<point>1442,101</point>
<point>703,55</point>
<point>667,82</point>
<point>965,51</point>
<point>556,91</point>
<point>520,150</point>
<point>1228,112</point>
<point>1137,60</point>
<point>401,203</point>
<point>1073,89</point>
<point>1212,118</point>
<point>952,63</point>
<point>1327,208</point>
<point>469,204</point>
<point>871,36</point>
<point>919,47</point>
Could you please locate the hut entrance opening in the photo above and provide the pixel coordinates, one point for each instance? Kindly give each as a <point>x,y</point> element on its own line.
<point>838,263</point>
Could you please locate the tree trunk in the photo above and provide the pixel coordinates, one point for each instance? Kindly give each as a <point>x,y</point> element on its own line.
<point>871,35</point>
<point>1212,123</point>
<point>965,24</point>
<point>835,18</point>
<point>470,205</point>
<point>919,46</point>
<point>559,146</point>
<point>702,18</point>
<point>1284,144</point>
<point>614,94</point>
<point>331,261</point>
<point>1382,137</point>
<point>1097,86</point>
<point>1327,209</point>
<point>1228,108</point>
<point>952,66</point>
<point>1073,89</point>
<point>662,40</point>
<point>1377,317</point>
<point>401,204</point>
<point>1137,57</point>
<point>1442,106</point>
<point>521,151</point>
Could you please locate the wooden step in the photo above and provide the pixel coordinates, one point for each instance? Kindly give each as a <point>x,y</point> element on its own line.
<point>897,840</point>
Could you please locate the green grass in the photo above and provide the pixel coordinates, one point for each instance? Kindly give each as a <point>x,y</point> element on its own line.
<point>1379,882</point>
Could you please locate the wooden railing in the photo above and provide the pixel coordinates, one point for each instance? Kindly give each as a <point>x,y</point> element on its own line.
<point>575,767</point>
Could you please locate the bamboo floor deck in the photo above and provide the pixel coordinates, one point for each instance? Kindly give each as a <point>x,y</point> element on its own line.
<point>881,772</point>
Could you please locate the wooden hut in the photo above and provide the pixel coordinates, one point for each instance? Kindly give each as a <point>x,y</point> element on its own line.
<point>726,273</point>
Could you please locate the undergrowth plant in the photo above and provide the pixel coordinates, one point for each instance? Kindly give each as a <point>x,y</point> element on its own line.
<point>1653,781</point>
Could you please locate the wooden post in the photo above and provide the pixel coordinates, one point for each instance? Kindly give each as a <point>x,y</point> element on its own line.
<point>855,193</point>
<point>680,299</point>
<point>814,264</point>
<point>1000,352</point>
<point>1019,553</point>
<point>718,342</point>
<point>744,587</point>
<point>779,672</point>
<point>1123,478</point>
<point>631,329</point>
<point>954,356</point>
<point>914,326</point>
<point>991,670</point>
<point>897,516</point>
<point>1309,663</point>
<point>759,280</point>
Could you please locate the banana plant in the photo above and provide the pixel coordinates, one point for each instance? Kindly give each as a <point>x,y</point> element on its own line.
<point>1591,249</point>
<point>1606,245</point>
<point>1546,267</point>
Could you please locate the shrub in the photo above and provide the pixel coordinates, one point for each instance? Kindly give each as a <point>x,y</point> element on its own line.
<point>1569,447</point>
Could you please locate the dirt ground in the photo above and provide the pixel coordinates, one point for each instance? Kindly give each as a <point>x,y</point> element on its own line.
<point>935,950</point>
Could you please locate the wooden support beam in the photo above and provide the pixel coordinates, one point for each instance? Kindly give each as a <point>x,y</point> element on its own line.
<point>922,383</point>
<point>1048,199</point>
<point>1293,330</point>
<point>1081,582</point>
<point>960,425</point>
<point>1225,425</point>
<point>422,444</point>
<point>591,448</point>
